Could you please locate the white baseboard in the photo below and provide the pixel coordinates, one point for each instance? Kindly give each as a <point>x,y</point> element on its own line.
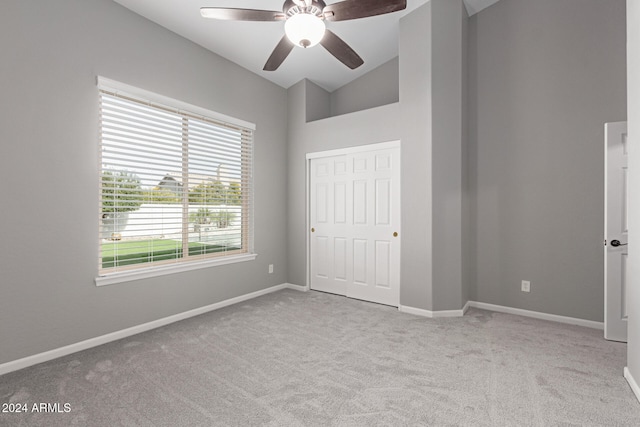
<point>632,383</point>
<point>465,308</point>
<point>113,336</point>
<point>431,314</point>
<point>296,287</point>
<point>501,309</point>
<point>537,315</point>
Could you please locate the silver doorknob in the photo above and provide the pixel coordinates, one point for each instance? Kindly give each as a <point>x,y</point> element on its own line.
<point>616,243</point>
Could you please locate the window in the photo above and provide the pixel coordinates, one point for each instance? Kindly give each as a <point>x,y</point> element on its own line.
<point>175,185</point>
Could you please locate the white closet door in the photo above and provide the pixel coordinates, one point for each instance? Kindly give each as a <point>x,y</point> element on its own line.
<point>355,225</point>
<point>328,217</point>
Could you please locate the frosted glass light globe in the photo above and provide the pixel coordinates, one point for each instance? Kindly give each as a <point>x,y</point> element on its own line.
<point>304,29</point>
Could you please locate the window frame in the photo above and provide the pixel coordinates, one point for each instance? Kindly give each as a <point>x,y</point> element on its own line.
<point>144,270</point>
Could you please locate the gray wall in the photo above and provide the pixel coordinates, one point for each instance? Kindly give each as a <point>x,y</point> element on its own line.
<point>363,127</point>
<point>423,144</point>
<point>378,87</point>
<point>467,200</point>
<point>317,104</point>
<point>633,105</point>
<point>416,287</point>
<point>431,93</point>
<point>52,52</point>
<point>447,125</point>
<point>545,76</point>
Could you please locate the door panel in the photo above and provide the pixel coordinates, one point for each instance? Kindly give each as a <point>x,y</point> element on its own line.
<point>355,204</point>
<point>359,164</point>
<point>340,166</point>
<point>360,202</point>
<point>383,203</point>
<point>340,202</point>
<point>326,274</point>
<point>340,258</point>
<point>616,212</point>
<point>321,203</point>
<point>360,261</point>
<point>320,248</point>
<point>383,162</point>
<point>383,259</point>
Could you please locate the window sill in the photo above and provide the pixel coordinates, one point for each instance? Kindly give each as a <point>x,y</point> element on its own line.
<point>128,276</point>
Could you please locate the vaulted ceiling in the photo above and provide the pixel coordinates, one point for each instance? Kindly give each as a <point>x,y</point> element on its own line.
<point>249,44</point>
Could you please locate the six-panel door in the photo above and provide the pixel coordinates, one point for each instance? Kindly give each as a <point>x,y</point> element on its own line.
<point>355,225</point>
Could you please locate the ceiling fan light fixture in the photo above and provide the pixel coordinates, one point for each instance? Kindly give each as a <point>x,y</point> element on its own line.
<point>304,29</point>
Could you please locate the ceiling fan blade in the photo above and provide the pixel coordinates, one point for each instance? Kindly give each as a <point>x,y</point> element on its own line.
<point>342,51</point>
<point>354,9</point>
<point>279,54</point>
<point>230,14</point>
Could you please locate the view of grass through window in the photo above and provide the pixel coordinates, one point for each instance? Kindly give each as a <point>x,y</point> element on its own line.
<point>127,253</point>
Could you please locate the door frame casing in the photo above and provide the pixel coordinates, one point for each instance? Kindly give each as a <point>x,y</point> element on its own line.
<point>330,153</point>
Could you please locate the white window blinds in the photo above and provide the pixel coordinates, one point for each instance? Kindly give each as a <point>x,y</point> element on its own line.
<point>176,186</point>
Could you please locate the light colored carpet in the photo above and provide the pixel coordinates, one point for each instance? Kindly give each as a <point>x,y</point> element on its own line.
<point>293,358</point>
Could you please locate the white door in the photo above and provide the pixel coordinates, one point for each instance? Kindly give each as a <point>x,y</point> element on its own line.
<point>328,216</point>
<point>355,225</point>
<point>616,233</point>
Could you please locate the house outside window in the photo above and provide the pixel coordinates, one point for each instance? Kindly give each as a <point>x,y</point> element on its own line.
<point>175,185</point>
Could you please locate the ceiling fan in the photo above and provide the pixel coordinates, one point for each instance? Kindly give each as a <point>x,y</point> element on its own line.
<point>305,25</point>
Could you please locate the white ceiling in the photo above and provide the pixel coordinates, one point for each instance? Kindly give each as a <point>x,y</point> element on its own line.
<point>249,44</point>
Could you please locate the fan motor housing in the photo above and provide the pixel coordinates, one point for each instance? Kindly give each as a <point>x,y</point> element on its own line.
<point>290,8</point>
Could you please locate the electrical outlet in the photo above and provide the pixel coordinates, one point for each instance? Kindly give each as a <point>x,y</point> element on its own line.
<point>526,286</point>
<point>270,268</point>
